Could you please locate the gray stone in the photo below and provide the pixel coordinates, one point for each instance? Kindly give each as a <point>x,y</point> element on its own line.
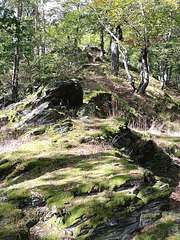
<point>40,115</point>
<point>63,92</point>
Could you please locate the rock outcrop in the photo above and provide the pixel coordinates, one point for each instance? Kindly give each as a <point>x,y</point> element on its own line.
<point>49,104</point>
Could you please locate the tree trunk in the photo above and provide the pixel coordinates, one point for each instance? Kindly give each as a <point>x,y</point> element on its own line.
<point>15,70</point>
<point>169,74</point>
<point>114,58</point>
<point>36,27</point>
<point>144,71</point>
<point>122,51</point>
<point>102,42</point>
<point>110,42</point>
<point>164,73</point>
<point>115,51</point>
<point>144,58</point>
<point>43,49</point>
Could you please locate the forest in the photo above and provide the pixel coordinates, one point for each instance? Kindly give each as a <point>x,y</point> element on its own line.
<point>39,37</point>
<point>89,119</point>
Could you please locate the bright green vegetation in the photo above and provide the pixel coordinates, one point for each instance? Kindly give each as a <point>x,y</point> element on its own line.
<point>80,178</point>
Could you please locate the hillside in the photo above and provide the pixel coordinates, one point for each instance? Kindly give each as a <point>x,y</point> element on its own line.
<point>106,169</point>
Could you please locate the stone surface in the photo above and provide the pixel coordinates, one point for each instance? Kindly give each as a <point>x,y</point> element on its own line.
<point>41,115</point>
<point>62,93</point>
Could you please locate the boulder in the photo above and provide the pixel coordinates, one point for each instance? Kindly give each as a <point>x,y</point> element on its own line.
<point>103,103</point>
<point>67,93</point>
<point>49,103</point>
<point>99,105</point>
<point>40,115</point>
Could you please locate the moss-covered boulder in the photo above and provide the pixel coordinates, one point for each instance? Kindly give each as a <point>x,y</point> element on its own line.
<point>43,114</point>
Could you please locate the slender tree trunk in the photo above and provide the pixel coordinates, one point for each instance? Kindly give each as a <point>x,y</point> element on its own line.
<point>115,51</point>
<point>15,70</point>
<point>144,71</point>
<point>114,58</point>
<point>144,59</point>
<point>159,71</point>
<point>122,51</point>
<point>149,63</point>
<point>36,27</point>
<point>110,42</point>
<point>165,74</point>
<point>169,74</point>
<point>43,49</point>
<point>102,42</point>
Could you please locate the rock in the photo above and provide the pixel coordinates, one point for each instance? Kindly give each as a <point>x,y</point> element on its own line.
<point>63,92</point>
<point>100,105</point>
<point>63,127</point>
<point>147,218</point>
<point>148,177</point>
<point>38,131</point>
<point>3,161</point>
<point>86,139</point>
<point>146,152</point>
<point>103,103</point>
<point>87,110</point>
<point>123,228</point>
<point>40,115</point>
<point>177,221</point>
<point>32,201</point>
<point>3,120</point>
<point>47,105</point>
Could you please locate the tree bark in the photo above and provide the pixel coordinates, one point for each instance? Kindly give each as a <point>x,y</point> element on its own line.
<point>165,74</point>
<point>102,42</point>
<point>144,70</point>
<point>114,58</point>
<point>16,40</point>
<point>43,48</point>
<point>144,59</point>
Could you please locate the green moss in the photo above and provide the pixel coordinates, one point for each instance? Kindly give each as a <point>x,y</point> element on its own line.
<point>98,209</point>
<point>57,199</point>
<point>6,168</point>
<point>9,222</point>
<point>90,94</point>
<point>159,190</point>
<point>18,194</point>
<point>118,180</point>
<point>160,232</point>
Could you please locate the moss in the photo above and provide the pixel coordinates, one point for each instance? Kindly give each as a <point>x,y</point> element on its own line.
<point>36,131</point>
<point>160,232</point>
<point>9,221</point>
<point>97,210</point>
<point>6,168</point>
<point>159,190</point>
<point>18,194</point>
<point>57,199</point>
<point>90,94</point>
<point>118,180</point>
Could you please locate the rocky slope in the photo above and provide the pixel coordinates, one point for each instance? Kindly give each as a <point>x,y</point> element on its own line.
<point>71,166</point>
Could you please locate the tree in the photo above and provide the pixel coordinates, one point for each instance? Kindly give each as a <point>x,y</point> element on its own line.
<point>16,42</point>
<point>143,21</point>
<point>104,21</point>
<point>18,27</point>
